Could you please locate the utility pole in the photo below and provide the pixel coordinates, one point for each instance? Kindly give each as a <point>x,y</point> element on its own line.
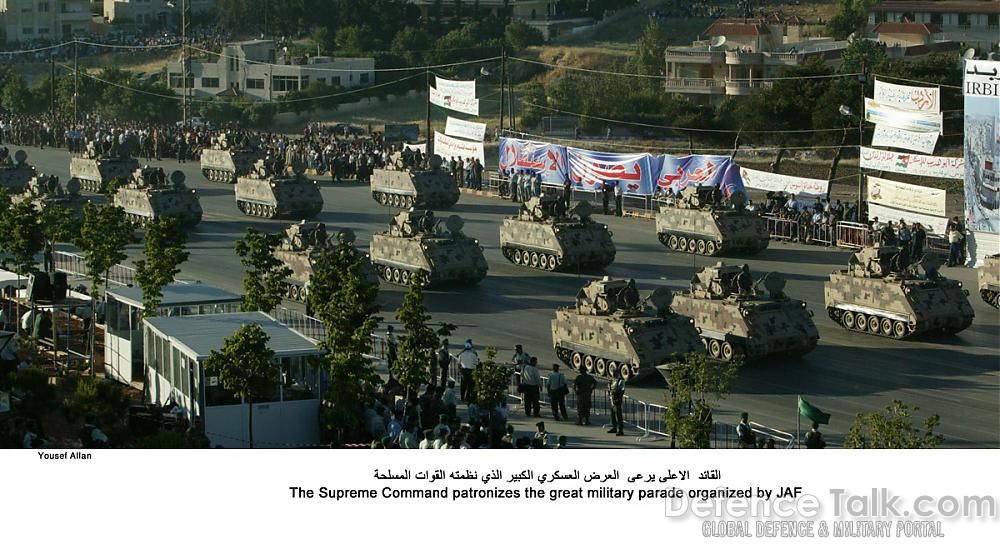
<point>76,80</point>
<point>503,78</point>
<point>52,84</point>
<point>430,140</point>
<point>184,63</point>
<point>862,79</point>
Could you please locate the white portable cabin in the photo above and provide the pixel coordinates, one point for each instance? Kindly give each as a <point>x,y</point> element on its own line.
<point>175,351</point>
<point>122,317</point>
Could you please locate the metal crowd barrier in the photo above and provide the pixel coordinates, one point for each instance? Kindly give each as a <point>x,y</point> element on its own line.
<point>780,228</point>
<point>853,235</point>
<point>72,263</point>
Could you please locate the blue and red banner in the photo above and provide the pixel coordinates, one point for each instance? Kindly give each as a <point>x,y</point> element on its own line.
<point>549,160</point>
<point>639,173</point>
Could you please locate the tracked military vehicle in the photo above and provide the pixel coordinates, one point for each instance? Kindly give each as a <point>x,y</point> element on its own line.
<point>543,235</point>
<point>301,246</point>
<point>223,163</point>
<point>45,191</point>
<point>405,184</point>
<point>15,174</point>
<point>149,196</point>
<point>696,221</point>
<point>416,241</point>
<point>874,295</point>
<point>736,320</point>
<point>94,170</point>
<point>269,193</point>
<point>609,330</point>
<point>989,280</point>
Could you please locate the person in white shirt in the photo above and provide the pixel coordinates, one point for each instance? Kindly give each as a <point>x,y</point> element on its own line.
<point>428,442</point>
<point>531,381</point>
<point>467,360</point>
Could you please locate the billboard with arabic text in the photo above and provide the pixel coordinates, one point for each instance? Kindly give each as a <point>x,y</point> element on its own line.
<point>676,173</point>
<point>536,157</point>
<point>591,170</point>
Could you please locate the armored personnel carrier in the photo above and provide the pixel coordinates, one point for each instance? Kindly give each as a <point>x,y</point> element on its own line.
<point>404,184</point>
<point>267,192</point>
<point>94,170</point>
<point>989,280</point>
<point>736,320</point>
<point>416,241</point>
<point>302,244</point>
<point>543,235</point>
<point>610,330</point>
<point>874,295</point>
<point>15,174</point>
<point>223,163</point>
<point>696,221</point>
<point>148,196</point>
<point>45,191</point>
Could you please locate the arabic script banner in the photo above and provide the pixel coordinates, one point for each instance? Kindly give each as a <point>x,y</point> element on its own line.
<point>801,187</point>
<point>447,147</point>
<point>905,196</point>
<point>590,170</point>
<point>933,223</point>
<point>907,120</point>
<point>982,148</point>
<point>886,136</point>
<point>906,97</point>
<point>461,89</point>
<point>915,165</point>
<point>549,160</point>
<point>465,129</point>
<point>457,103</point>
<point>676,173</point>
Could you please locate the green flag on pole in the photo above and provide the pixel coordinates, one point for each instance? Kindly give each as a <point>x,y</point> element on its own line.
<point>813,413</point>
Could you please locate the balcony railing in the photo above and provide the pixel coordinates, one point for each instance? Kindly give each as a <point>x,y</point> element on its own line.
<point>694,82</point>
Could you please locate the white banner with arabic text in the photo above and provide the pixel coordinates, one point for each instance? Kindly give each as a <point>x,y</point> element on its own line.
<point>886,136</point>
<point>447,147</point>
<point>907,120</point>
<point>906,196</point>
<point>457,103</point>
<point>915,165</point>
<point>767,181</point>
<point>461,89</point>
<point>906,97</point>
<point>934,224</point>
<point>465,129</point>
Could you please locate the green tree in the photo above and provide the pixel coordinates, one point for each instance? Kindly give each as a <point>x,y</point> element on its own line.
<point>356,40</point>
<point>692,388</point>
<point>519,35</point>
<point>648,59</point>
<point>852,16</point>
<point>492,380</point>
<point>326,39</point>
<point>417,346</point>
<point>164,253</point>
<point>893,428</point>
<point>532,96</point>
<point>412,44</point>
<point>58,224</point>
<point>22,235</point>
<point>264,284</point>
<point>245,367</point>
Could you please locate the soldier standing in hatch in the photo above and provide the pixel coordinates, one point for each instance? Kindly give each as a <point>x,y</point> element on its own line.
<point>743,282</point>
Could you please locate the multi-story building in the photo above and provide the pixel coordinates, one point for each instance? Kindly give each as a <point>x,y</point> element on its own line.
<point>975,23</point>
<point>56,20</point>
<point>741,56</point>
<point>254,68</point>
<point>146,12</point>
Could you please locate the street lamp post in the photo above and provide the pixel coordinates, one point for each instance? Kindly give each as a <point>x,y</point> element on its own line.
<point>846,111</point>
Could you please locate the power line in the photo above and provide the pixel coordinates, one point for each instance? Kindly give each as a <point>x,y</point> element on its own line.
<point>114,46</point>
<point>651,76</point>
<point>727,150</point>
<point>957,87</point>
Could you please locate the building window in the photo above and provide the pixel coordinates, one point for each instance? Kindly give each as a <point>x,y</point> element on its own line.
<point>27,30</point>
<point>255,83</point>
<point>43,7</point>
<point>321,80</point>
<point>175,81</point>
<point>992,19</point>
<point>210,82</point>
<point>43,31</point>
<point>335,81</point>
<point>363,78</point>
<point>284,83</point>
<point>305,82</point>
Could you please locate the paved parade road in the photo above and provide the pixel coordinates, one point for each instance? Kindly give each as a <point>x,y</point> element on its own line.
<point>956,377</point>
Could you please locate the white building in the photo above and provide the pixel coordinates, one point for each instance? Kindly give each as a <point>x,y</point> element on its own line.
<point>54,20</point>
<point>975,23</point>
<point>175,351</point>
<point>254,68</point>
<point>144,12</point>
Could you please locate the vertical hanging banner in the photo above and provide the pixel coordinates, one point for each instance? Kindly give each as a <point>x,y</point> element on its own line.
<point>455,88</point>
<point>981,87</point>
<point>463,104</point>
<point>591,170</point>
<point>676,173</point>
<point>905,97</point>
<point>914,165</point>
<point>906,120</point>
<point>447,147</point>
<point>549,160</point>
<point>465,129</point>
<point>886,136</point>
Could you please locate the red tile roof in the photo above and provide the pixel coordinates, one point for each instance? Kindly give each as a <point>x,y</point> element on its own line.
<point>736,28</point>
<point>795,20</point>
<point>923,29</point>
<point>940,6</point>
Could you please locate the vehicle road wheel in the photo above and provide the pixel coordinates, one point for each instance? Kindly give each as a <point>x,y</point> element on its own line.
<point>672,242</point>
<point>848,320</point>
<point>576,360</point>
<point>861,322</point>
<point>588,363</point>
<point>534,259</point>
<point>728,352</point>
<point>899,329</point>
<point>886,329</point>
<point>543,261</point>
<point>682,244</point>
<point>404,277</point>
<point>701,247</point>
<point>626,370</point>
<point>714,348</point>
<point>517,257</point>
<point>395,275</point>
<point>613,368</point>
<point>601,367</point>
<point>387,274</point>
<point>553,262</point>
<point>711,248</point>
